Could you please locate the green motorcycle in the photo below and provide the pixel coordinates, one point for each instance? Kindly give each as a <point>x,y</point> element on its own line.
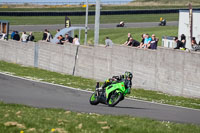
<point>111,96</point>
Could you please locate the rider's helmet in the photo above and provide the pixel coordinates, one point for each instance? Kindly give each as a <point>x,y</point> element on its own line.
<point>128,75</point>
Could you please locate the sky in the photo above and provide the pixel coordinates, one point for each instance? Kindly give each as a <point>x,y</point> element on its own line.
<point>65,1</point>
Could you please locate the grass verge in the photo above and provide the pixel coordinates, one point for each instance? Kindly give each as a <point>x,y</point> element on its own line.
<point>41,20</point>
<point>23,119</point>
<point>89,84</point>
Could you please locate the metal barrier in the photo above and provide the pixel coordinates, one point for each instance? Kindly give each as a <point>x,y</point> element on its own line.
<point>91,13</point>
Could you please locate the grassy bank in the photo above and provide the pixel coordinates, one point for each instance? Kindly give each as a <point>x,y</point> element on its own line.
<point>89,84</point>
<point>119,35</point>
<point>47,20</point>
<point>22,119</point>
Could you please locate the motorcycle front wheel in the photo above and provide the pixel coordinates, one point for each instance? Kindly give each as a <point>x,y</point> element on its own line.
<point>94,99</point>
<point>114,99</point>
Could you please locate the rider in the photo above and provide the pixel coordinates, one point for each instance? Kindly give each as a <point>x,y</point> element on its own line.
<point>126,78</point>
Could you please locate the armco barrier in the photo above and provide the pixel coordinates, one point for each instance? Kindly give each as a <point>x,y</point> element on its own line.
<point>91,13</point>
<point>171,71</point>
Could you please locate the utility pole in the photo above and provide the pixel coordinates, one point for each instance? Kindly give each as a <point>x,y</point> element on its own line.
<point>86,22</point>
<point>190,20</point>
<point>97,21</point>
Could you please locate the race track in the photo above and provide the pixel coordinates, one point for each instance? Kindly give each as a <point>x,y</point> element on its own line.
<point>91,26</point>
<point>37,94</point>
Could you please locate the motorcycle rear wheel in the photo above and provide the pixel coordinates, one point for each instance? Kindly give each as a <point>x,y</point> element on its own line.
<point>94,99</point>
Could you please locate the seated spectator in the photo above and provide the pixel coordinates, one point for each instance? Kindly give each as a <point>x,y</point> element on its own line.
<point>76,40</point>
<point>142,41</point>
<point>16,36</point>
<point>68,38</point>
<point>179,43</point>
<point>108,42</point>
<point>154,42</point>
<point>24,37</point>
<point>183,39</point>
<point>147,41</point>
<point>44,38</point>
<point>12,34</point>
<point>129,36</point>
<point>30,37</point>
<point>194,44</point>
<point>61,40</point>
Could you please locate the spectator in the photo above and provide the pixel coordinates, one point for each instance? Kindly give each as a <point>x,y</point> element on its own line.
<point>76,40</point>
<point>194,44</point>
<point>24,37</point>
<point>135,43</point>
<point>142,41</point>
<point>183,39</point>
<point>147,41</point>
<point>108,42</point>
<point>154,42</point>
<point>58,30</point>
<point>16,36</point>
<point>68,38</point>
<point>30,37</point>
<point>12,34</point>
<point>179,43</point>
<point>61,40</point>
<point>129,36</point>
<point>3,36</point>
<point>44,38</point>
<point>49,36</point>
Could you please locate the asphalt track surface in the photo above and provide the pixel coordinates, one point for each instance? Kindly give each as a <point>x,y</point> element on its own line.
<point>38,94</point>
<point>34,28</point>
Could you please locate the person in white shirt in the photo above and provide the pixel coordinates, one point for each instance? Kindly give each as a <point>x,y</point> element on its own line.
<point>76,40</point>
<point>24,37</point>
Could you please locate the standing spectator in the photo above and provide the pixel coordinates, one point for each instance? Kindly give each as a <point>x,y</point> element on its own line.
<point>179,43</point>
<point>154,42</point>
<point>44,38</point>
<point>12,34</point>
<point>129,36</point>
<point>76,40</point>
<point>16,36</point>
<point>108,42</point>
<point>68,38</point>
<point>30,37</point>
<point>183,40</point>
<point>49,36</point>
<point>24,37</point>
